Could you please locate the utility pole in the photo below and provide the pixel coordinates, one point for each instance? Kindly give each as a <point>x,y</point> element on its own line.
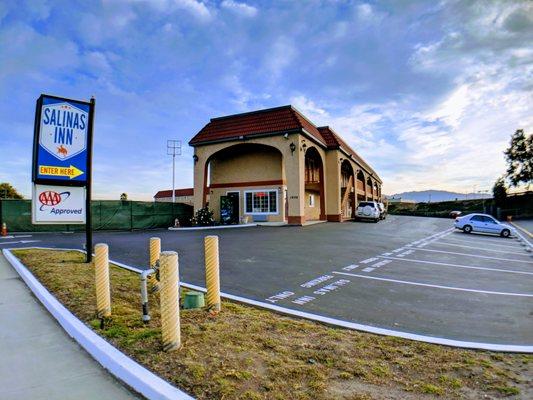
<point>174,149</point>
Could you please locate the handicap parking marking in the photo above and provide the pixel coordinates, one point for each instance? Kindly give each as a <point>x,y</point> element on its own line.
<point>369,260</point>
<point>433,286</point>
<point>477,256</point>
<point>350,267</point>
<point>460,266</point>
<point>479,248</point>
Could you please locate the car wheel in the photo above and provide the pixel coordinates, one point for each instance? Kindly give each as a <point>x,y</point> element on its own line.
<point>467,229</point>
<point>505,233</point>
<point>376,220</point>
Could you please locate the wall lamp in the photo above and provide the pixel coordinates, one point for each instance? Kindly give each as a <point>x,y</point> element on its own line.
<point>195,158</point>
<point>292,146</point>
<point>304,146</point>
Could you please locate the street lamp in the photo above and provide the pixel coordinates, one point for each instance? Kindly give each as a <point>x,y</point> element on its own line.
<point>173,149</point>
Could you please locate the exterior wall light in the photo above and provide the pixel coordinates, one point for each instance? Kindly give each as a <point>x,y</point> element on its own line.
<point>292,146</point>
<point>304,146</point>
<point>195,158</point>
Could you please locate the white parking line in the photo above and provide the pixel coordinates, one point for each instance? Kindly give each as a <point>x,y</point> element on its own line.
<point>473,255</point>
<point>481,242</point>
<point>481,248</point>
<point>14,237</point>
<point>460,266</point>
<point>433,286</point>
<point>369,260</point>
<point>368,269</point>
<point>20,241</point>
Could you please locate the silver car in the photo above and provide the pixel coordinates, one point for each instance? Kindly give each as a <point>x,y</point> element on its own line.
<point>483,223</point>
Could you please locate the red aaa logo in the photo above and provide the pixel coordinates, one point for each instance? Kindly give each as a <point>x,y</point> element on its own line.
<point>50,198</point>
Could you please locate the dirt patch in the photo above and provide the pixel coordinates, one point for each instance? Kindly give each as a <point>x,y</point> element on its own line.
<point>249,353</point>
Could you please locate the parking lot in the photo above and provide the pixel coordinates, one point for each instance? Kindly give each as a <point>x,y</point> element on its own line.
<point>407,274</point>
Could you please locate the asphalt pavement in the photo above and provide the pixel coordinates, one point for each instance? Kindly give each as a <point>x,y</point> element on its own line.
<point>411,274</point>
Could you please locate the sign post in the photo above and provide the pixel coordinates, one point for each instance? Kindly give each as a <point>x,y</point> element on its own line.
<point>62,163</point>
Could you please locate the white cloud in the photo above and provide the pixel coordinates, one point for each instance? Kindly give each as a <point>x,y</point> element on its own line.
<point>197,8</point>
<point>239,8</point>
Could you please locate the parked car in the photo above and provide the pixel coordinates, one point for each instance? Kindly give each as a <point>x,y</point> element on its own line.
<point>483,223</point>
<point>455,214</point>
<point>368,210</point>
<point>382,211</point>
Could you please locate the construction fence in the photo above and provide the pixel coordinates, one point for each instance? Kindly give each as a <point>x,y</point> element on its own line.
<point>106,215</point>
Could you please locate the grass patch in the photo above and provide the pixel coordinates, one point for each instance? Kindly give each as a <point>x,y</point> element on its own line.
<point>249,353</point>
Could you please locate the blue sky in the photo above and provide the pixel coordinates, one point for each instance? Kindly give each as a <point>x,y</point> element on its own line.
<point>427,92</point>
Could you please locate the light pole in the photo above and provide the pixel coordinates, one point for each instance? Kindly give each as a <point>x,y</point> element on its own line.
<point>173,149</point>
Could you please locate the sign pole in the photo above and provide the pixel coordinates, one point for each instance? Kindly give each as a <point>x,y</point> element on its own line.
<point>88,219</point>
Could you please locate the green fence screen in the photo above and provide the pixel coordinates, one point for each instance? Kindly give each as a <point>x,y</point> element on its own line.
<point>106,215</point>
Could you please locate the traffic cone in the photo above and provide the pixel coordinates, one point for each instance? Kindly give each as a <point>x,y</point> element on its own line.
<point>4,229</point>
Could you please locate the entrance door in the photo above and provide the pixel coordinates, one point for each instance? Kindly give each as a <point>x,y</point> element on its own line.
<point>229,208</point>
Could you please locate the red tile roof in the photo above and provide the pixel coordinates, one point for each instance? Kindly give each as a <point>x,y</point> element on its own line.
<point>271,121</point>
<point>177,192</point>
<point>263,122</point>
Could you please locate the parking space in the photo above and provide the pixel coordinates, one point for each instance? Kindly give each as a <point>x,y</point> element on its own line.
<point>408,274</point>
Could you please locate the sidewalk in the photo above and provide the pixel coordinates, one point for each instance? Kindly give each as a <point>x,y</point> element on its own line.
<point>38,360</point>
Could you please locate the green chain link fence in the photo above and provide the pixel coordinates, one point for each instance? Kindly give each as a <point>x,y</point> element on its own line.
<point>106,215</point>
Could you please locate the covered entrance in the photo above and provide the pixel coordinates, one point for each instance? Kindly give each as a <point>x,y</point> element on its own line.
<point>314,186</point>
<point>347,191</point>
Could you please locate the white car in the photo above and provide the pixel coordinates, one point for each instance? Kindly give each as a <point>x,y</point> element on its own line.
<point>368,210</point>
<point>483,223</point>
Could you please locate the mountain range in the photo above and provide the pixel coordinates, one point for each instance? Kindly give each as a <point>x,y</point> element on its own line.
<point>438,195</point>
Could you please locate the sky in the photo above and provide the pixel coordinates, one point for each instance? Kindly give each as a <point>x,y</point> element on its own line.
<point>428,93</point>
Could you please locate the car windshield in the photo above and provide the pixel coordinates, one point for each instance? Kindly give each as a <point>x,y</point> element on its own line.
<point>366,203</point>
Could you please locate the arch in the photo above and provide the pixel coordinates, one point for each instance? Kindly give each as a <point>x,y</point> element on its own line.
<point>361,186</point>
<point>314,185</point>
<point>347,190</point>
<point>237,170</point>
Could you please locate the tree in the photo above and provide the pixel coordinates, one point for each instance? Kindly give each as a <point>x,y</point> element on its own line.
<point>499,192</point>
<point>519,158</point>
<point>124,196</point>
<point>7,191</point>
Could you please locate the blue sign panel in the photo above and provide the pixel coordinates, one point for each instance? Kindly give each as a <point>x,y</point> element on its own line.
<point>61,142</point>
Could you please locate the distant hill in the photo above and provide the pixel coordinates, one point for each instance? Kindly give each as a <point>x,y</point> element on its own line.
<point>438,195</point>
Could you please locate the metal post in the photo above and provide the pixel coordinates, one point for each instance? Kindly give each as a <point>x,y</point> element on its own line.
<point>212,275</point>
<point>173,149</point>
<point>88,219</point>
<point>101,273</point>
<point>170,312</point>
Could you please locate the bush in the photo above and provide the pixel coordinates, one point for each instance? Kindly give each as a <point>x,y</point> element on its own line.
<point>203,217</point>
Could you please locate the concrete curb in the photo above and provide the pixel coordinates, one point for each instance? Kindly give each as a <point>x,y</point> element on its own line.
<point>206,228</point>
<point>117,363</point>
<point>508,348</point>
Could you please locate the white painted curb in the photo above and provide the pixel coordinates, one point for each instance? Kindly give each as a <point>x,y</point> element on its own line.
<point>508,348</point>
<point>117,363</point>
<point>206,228</point>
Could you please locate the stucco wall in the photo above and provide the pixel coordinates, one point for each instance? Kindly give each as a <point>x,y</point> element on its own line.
<point>312,213</point>
<point>246,164</point>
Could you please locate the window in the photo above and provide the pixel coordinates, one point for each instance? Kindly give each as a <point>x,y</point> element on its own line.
<point>478,218</point>
<point>311,200</point>
<point>261,201</point>
<point>489,220</point>
<point>366,203</point>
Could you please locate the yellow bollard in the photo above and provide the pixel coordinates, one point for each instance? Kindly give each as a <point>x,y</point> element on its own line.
<point>101,273</point>
<point>212,276</point>
<point>170,311</point>
<point>155,250</point>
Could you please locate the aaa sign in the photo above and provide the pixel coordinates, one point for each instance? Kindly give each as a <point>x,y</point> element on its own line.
<point>58,205</point>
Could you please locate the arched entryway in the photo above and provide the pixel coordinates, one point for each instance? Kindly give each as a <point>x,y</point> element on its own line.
<point>369,194</point>
<point>361,186</point>
<point>314,186</point>
<point>246,181</point>
<point>347,190</point>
